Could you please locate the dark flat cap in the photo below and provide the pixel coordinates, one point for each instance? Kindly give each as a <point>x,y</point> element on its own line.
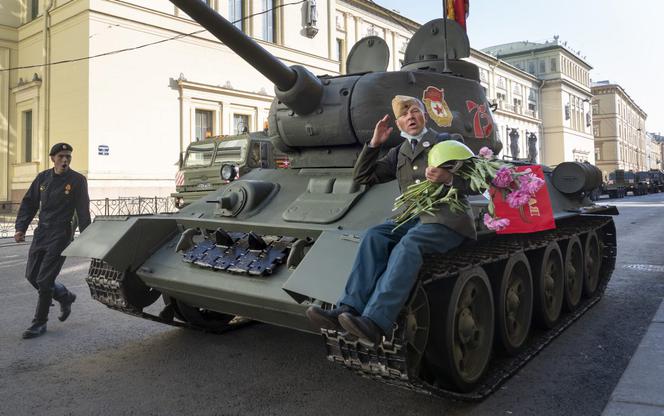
<point>59,147</point>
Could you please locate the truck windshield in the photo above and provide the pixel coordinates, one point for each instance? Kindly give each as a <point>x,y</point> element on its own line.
<point>199,155</point>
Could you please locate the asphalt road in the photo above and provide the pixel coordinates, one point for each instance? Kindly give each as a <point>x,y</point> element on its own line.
<point>102,362</point>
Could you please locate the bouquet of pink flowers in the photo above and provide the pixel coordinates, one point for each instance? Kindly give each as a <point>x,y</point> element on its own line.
<point>484,173</point>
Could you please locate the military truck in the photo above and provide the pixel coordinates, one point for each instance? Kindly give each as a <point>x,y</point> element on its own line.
<point>208,164</point>
<point>641,183</point>
<point>616,186</point>
<point>657,180</point>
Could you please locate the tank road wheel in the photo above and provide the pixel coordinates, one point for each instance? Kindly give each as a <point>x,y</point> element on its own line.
<point>592,259</point>
<point>469,326</point>
<point>514,303</point>
<point>137,293</point>
<point>416,328</point>
<point>202,318</point>
<point>573,274</point>
<point>548,285</point>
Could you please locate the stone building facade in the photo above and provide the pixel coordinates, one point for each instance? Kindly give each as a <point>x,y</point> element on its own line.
<point>565,96</point>
<point>78,71</point>
<point>619,129</point>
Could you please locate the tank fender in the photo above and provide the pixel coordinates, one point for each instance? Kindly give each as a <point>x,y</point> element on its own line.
<point>320,275</point>
<point>124,243</point>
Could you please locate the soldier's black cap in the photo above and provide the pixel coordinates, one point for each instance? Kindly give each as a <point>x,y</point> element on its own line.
<point>59,147</point>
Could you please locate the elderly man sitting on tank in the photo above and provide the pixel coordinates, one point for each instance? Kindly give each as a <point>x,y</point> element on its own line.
<point>388,260</point>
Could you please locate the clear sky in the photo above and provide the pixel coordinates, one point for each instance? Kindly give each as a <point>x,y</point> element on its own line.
<point>622,40</point>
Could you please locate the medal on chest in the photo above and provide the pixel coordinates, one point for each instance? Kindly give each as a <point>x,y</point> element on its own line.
<point>67,189</point>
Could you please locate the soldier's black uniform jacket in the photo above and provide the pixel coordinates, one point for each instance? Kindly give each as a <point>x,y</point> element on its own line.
<point>408,166</point>
<point>56,197</point>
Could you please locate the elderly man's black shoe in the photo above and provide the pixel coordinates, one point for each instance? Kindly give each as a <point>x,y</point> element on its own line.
<point>34,331</point>
<point>65,307</point>
<point>328,318</point>
<point>362,327</point>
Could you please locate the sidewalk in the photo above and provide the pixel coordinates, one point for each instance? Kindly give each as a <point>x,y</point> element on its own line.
<point>640,391</point>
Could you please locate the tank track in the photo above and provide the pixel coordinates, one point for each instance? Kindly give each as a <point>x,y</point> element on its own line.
<point>106,287</point>
<point>388,362</point>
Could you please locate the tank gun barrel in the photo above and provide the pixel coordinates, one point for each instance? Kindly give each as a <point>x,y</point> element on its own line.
<point>295,86</point>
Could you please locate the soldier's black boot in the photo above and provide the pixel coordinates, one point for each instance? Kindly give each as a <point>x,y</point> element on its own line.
<point>328,318</point>
<point>35,330</point>
<point>65,307</point>
<point>38,326</point>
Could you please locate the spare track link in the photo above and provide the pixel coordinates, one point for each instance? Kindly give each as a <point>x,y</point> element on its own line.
<point>106,286</point>
<point>387,363</point>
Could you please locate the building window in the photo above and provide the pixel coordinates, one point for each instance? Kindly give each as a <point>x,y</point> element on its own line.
<point>340,49</point>
<point>598,154</point>
<point>236,14</point>
<point>595,108</point>
<point>340,22</point>
<point>484,75</point>
<point>542,66</point>
<point>204,124</point>
<point>240,123</point>
<point>596,129</point>
<point>500,96</point>
<point>341,54</point>
<point>27,136</point>
<point>268,20</point>
<point>531,68</point>
<point>34,9</point>
<point>501,83</point>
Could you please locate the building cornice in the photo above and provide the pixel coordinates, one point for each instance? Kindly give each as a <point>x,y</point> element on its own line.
<point>8,34</point>
<point>189,85</point>
<point>606,89</point>
<point>371,7</point>
<point>562,81</point>
<point>546,48</point>
<point>499,63</point>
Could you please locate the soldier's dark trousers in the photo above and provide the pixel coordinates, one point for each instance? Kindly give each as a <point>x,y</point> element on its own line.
<point>44,264</point>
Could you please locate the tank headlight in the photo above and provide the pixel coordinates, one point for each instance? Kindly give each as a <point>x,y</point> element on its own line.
<point>228,172</point>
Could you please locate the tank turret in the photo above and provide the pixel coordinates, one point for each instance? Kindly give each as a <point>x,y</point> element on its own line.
<point>323,121</point>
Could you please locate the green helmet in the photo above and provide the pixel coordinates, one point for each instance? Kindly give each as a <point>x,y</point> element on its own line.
<point>448,151</point>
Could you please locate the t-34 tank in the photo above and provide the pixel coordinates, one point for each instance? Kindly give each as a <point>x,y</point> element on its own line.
<point>268,245</point>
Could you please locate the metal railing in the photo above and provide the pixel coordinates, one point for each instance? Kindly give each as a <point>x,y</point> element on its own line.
<point>98,207</point>
<point>131,206</point>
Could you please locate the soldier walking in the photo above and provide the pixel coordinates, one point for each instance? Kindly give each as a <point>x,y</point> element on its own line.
<point>56,193</point>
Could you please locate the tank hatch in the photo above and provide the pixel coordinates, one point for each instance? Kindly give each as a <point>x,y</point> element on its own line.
<point>326,200</point>
<point>429,42</point>
<point>369,54</point>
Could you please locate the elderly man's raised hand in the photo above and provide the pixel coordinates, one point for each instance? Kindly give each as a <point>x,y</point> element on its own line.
<point>381,132</point>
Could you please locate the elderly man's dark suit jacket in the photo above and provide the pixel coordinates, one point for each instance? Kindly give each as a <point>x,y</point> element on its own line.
<point>408,166</point>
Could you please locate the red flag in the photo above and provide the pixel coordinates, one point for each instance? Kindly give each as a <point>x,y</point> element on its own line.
<point>457,10</point>
<point>535,216</point>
